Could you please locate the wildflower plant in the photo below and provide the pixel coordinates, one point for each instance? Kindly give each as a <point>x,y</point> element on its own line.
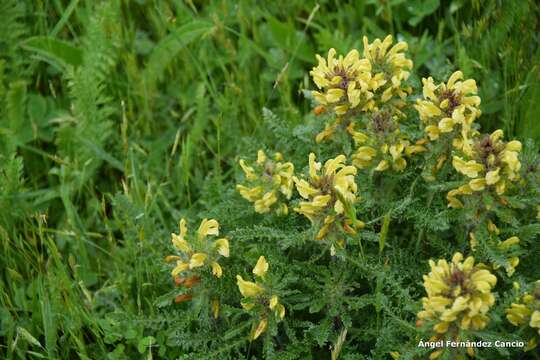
<point>412,163</point>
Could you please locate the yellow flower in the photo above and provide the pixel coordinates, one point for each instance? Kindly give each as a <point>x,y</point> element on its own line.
<point>449,108</point>
<point>180,266</point>
<point>178,240</point>
<point>459,295</point>
<point>215,308</point>
<point>197,260</point>
<point>491,163</point>
<point>270,183</point>
<point>216,269</point>
<point>261,327</point>
<point>208,227</point>
<point>196,252</point>
<point>222,246</point>
<point>248,288</point>
<point>261,267</point>
<point>343,82</point>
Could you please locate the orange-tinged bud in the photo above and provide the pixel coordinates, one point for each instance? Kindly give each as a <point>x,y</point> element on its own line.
<point>348,229</point>
<point>319,109</point>
<point>181,298</point>
<point>178,280</point>
<point>192,281</point>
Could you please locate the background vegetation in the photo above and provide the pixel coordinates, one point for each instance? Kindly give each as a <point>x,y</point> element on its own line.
<point>119,117</point>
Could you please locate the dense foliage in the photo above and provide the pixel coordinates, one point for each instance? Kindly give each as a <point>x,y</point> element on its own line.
<point>188,180</point>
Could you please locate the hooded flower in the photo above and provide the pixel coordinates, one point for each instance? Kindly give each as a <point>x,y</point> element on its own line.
<point>526,313</point>
<point>269,183</point>
<point>492,164</point>
<point>197,251</point>
<point>259,298</point>
<point>458,295</point>
<point>449,109</point>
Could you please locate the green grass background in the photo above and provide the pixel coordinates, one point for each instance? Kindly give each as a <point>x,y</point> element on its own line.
<point>119,117</point>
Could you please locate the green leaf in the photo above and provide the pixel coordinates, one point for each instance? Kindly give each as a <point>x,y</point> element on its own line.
<point>145,342</point>
<point>58,52</point>
<point>169,47</point>
<point>25,334</point>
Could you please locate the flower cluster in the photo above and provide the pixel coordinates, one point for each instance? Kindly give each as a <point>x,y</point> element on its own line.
<point>389,69</point>
<point>329,192</point>
<point>258,297</point>
<point>350,85</point>
<point>527,312</point>
<point>458,296</point>
<point>490,164</point>
<point>343,82</point>
<point>197,251</point>
<point>382,145</point>
<point>449,108</point>
<point>270,183</point>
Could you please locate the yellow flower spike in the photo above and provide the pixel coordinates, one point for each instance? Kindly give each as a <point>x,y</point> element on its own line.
<point>222,246</point>
<point>340,81</point>
<point>459,294</point>
<point>447,107</point>
<point>216,269</point>
<point>491,163</point>
<point>261,267</point>
<point>248,288</point>
<point>261,327</point>
<point>180,266</point>
<point>197,260</point>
